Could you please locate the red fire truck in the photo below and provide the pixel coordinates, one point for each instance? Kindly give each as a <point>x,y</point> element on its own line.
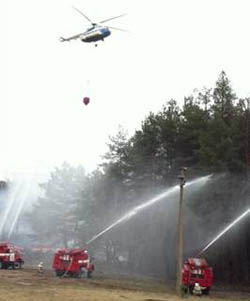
<point>72,262</point>
<point>196,271</point>
<point>10,256</point>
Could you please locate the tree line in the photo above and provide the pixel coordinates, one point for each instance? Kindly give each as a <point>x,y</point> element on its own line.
<point>209,134</point>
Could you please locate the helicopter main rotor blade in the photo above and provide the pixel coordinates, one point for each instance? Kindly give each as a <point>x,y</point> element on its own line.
<point>116,28</point>
<point>82,14</point>
<point>112,18</point>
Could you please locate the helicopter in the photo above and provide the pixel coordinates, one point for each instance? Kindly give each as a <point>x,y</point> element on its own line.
<point>97,32</point>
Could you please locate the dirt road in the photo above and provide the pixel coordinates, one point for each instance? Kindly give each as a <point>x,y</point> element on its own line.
<point>28,284</point>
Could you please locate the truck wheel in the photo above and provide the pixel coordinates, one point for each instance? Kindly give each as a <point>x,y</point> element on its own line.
<point>17,265</point>
<point>81,272</point>
<point>1,265</point>
<point>191,288</point>
<point>206,291</point>
<point>59,273</point>
<point>89,274</point>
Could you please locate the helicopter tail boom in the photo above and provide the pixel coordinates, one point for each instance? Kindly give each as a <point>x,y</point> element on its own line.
<point>61,39</point>
<point>77,36</point>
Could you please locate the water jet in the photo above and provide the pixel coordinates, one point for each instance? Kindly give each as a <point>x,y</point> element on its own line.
<point>137,209</point>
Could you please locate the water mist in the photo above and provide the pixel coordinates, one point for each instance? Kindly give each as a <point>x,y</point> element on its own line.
<point>137,209</point>
<point>224,231</point>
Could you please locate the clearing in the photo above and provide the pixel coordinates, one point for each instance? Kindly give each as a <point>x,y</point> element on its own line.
<point>28,284</point>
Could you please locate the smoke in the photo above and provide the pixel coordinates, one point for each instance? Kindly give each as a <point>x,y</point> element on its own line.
<point>142,239</point>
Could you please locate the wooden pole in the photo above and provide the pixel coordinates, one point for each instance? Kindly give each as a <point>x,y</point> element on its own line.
<point>179,254</point>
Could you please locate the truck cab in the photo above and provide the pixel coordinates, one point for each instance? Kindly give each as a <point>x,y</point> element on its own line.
<point>10,256</point>
<point>196,272</point>
<point>72,262</point>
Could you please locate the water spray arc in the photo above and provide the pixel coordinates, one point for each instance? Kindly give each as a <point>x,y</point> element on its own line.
<point>19,209</point>
<point>15,201</point>
<point>11,202</point>
<point>134,211</point>
<point>141,207</point>
<point>224,231</point>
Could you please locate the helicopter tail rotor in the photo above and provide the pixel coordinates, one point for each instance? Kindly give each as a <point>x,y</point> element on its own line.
<point>61,39</point>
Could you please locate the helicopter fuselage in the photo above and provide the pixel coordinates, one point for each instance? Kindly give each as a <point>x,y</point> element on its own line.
<point>95,33</point>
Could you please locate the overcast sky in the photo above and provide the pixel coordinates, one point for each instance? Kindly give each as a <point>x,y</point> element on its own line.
<point>174,47</point>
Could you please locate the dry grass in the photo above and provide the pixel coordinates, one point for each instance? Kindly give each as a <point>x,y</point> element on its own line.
<point>29,285</point>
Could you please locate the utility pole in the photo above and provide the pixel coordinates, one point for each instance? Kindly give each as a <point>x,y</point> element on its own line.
<point>179,254</point>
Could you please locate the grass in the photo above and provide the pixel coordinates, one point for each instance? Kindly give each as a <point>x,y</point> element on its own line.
<point>30,285</point>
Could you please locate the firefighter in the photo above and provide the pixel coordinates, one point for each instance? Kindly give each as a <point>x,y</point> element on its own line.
<point>197,289</point>
<point>40,267</point>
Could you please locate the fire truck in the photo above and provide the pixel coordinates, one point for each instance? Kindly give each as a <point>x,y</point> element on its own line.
<point>73,262</point>
<point>10,256</point>
<point>196,272</point>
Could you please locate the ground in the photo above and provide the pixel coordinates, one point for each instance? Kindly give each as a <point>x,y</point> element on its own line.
<point>28,284</point>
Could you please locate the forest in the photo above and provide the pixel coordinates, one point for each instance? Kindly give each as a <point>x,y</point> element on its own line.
<point>209,135</point>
